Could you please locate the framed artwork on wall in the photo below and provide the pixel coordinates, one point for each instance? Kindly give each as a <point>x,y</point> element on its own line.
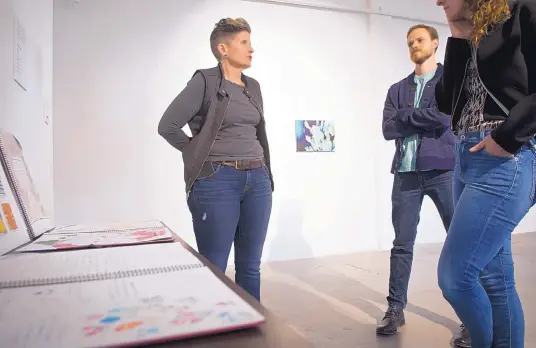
<point>315,136</point>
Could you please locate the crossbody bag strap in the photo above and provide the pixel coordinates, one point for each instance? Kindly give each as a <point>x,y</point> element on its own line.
<point>532,141</point>
<point>501,105</point>
<point>498,102</point>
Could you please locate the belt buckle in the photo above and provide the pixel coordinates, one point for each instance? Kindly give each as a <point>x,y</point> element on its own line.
<point>236,165</point>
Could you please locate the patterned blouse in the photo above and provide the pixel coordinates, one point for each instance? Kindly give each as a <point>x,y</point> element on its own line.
<point>472,119</point>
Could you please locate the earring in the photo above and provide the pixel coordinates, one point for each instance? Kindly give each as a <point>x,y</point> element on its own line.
<point>225,55</point>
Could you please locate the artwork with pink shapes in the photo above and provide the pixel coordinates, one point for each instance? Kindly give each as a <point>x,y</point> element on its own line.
<point>80,240</point>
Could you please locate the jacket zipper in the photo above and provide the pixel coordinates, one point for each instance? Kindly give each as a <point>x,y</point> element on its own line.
<point>208,153</point>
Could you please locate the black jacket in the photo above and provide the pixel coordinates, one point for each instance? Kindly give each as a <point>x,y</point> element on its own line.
<point>203,107</point>
<point>506,61</point>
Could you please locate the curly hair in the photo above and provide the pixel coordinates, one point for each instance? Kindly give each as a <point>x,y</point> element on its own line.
<point>225,30</point>
<point>486,14</point>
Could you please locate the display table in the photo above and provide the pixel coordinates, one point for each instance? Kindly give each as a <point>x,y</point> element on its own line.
<point>274,333</point>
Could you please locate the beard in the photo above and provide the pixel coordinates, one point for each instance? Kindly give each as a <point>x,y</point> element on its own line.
<point>420,57</point>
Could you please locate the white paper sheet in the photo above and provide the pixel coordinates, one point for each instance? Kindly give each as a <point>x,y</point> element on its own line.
<point>38,268</point>
<point>13,231</point>
<point>122,311</point>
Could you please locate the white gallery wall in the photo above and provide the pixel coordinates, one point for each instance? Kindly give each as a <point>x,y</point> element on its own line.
<point>27,112</point>
<point>118,64</point>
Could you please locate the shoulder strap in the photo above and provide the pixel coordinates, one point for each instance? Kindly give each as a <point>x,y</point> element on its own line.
<point>532,141</point>
<point>501,105</point>
<point>497,101</point>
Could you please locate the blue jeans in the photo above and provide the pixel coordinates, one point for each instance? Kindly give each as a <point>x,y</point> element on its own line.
<point>408,192</point>
<point>229,206</point>
<point>476,270</point>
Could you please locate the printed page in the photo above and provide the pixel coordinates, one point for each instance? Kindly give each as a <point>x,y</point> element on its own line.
<point>13,230</point>
<point>40,220</point>
<point>81,240</point>
<point>24,269</point>
<point>125,311</point>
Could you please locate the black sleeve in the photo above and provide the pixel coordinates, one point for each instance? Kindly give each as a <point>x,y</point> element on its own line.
<point>520,126</point>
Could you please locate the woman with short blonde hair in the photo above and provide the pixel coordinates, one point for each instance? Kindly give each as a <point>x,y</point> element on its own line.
<point>227,160</point>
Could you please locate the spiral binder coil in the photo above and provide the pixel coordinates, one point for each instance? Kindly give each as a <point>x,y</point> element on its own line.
<point>97,276</point>
<point>112,230</point>
<point>13,183</point>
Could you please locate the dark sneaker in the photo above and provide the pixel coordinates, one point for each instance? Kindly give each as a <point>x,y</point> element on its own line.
<point>461,338</point>
<point>393,319</point>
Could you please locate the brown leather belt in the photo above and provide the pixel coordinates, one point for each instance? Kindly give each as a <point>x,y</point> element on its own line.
<point>245,164</point>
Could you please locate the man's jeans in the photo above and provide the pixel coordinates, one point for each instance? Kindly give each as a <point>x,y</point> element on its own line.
<point>476,270</point>
<point>408,192</point>
<point>229,206</point>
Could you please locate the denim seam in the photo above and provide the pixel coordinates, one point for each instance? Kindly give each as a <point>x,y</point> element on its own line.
<point>532,198</point>
<point>266,171</point>
<point>237,242</point>
<point>507,303</point>
<point>492,213</point>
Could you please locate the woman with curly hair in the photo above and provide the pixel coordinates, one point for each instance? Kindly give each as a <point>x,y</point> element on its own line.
<point>489,88</point>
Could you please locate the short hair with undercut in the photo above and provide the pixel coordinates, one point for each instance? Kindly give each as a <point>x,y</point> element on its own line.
<point>431,30</point>
<point>224,31</point>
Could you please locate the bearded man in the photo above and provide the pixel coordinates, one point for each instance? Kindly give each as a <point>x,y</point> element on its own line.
<point>422,165</point>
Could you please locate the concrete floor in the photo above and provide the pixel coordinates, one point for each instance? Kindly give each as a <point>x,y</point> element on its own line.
<point>335,302</point>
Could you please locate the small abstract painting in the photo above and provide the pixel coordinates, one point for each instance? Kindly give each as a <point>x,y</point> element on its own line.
<point>315,136</point>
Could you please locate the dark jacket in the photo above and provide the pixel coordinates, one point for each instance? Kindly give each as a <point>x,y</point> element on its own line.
<point>506,61</point>
<point>203,110</point>
<point>401,119</point>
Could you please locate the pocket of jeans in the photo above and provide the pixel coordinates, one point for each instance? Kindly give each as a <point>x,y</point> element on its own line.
<point>266,171</point>
<point>209,170</point>
<point>503,158</point>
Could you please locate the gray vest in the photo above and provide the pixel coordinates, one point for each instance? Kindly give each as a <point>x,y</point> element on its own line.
<point>206,124</point>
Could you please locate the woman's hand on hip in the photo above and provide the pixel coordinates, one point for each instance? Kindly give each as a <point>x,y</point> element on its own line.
<point>491,147</point>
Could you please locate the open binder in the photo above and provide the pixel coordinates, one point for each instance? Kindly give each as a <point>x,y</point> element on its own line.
<point>113,297</point>
<point>24,219</point>
<point>106,297</point>
<point>89,236</point>
<point>13,225</point>
<point>18,175</point>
